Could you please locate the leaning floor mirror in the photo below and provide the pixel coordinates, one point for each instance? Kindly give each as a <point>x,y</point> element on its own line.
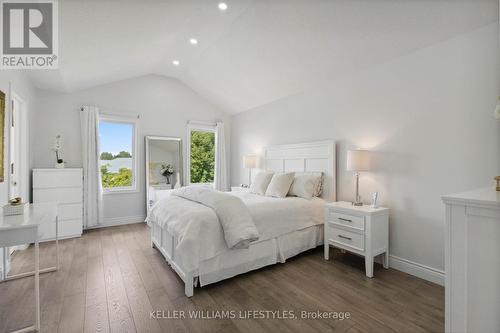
<point>163,167</point>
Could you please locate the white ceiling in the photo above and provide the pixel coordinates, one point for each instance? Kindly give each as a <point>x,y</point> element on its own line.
<point>253,53</point>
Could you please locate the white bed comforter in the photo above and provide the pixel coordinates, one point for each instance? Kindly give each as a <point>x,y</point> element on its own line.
<point>235,219</point>
<point>199,233</point>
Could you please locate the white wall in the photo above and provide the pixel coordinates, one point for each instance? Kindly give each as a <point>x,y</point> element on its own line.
<point>165,106</point>
<point>19,83</point>
<point>428,117</point>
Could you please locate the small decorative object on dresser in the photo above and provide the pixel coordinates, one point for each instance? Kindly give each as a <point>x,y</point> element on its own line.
<point>358,229</point>
<point>358,160</point>
<point>16,206</point>
<point>497,179</point>
<point>239,189</point>
<point>56,147</point>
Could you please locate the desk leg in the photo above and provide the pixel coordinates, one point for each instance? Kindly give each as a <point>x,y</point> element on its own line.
<point>37,287</point>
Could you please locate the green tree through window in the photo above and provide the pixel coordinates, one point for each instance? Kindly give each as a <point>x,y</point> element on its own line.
<point>202,157</point>
<point>117,152</point>
<point>106,156</point>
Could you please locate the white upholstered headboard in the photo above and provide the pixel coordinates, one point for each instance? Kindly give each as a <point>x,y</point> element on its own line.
<point>308,156</point>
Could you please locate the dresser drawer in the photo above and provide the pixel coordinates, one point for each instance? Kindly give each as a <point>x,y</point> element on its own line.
<point>348,238</point>
<point>69,211</point>
<point>57,178</point>
<point>67,228</point>
<point>357,222</point>
<point>59,195</point>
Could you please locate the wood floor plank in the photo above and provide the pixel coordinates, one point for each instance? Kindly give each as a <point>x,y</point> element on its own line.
<point>95,287</point>
<point>160,301</point>
<point>77,279</point>
<point>73,314</point>
<point>96,306</point>
<point>120,315</point>
<point>111,279</point>
<point>96,318</point>
<point>136,292</point>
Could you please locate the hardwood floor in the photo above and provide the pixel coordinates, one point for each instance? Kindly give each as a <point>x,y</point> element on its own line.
<point>111,279</point>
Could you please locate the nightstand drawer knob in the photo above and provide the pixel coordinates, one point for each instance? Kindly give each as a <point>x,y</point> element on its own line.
<point>345,220</point>
<point>345,237</point>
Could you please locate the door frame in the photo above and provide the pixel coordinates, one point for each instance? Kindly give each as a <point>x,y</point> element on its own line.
<point>22,127</point>
<point>23,156</point>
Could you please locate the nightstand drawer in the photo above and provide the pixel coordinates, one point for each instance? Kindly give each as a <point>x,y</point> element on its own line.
<point>357,222</point>
<point>348,238</point>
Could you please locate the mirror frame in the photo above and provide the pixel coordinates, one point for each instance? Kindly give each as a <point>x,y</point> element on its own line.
<point>149,138</point>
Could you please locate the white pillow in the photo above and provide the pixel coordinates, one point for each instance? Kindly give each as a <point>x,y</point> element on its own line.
<point>306,185</point>
<point>280,185</point>
<point>261,182</point>
<point>319,188</point>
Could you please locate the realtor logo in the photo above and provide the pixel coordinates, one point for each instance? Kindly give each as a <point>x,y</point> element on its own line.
<point>29,34</point>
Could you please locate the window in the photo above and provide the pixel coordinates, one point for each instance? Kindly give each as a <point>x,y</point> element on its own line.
<point>201,154</point>
<point>117,154</point>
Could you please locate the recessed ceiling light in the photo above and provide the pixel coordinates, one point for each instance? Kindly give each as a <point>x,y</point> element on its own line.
<point>176,62</point>
<point>222,5</point>
<point>193,41</point>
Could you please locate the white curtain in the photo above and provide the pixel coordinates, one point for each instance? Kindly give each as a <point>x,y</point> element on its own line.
<point>92,187</point>
<point>220,181</point>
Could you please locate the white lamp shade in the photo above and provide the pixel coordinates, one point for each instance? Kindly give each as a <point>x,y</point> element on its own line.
<point>250,161</point>
<point>358,160</point>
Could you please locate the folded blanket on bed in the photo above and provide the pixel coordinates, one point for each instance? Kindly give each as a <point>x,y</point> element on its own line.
<point>235,219</point>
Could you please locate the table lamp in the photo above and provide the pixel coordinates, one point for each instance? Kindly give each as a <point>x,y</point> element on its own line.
<point>358,160</point>
<point>249,162</point>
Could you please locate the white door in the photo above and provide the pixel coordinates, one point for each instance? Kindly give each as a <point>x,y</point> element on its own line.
<point>18,149</point>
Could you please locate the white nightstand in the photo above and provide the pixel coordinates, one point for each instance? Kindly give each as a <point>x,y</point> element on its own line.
<point>239,189</point>
<point>358,229</point>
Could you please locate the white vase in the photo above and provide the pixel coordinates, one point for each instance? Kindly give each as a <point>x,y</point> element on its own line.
<point>59,165</point>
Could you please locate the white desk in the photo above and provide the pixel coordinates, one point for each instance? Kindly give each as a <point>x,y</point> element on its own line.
<point>24,229</point>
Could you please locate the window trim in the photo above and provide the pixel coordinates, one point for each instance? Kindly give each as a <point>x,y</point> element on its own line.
<point>198,127</point>
<point>134,188</point>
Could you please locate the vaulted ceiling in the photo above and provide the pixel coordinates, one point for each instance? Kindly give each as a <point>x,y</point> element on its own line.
<point>253,53</point>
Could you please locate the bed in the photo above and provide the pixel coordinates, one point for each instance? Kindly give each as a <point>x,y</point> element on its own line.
<point>287,226</point>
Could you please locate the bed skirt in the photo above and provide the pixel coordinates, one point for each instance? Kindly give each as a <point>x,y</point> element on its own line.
<point>234,262</point>
<point>258,255</point>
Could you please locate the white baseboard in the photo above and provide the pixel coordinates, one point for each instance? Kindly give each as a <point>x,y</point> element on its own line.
<point>416,269</point>
<point>115,221</point>
<point>51,239</point>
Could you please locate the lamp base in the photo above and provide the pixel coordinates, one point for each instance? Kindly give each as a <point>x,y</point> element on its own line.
<point>357,204</point>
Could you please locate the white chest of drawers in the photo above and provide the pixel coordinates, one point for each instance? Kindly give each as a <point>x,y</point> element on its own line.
<point>358,229</point>
<point>64,187</point>
<point>472,261</point>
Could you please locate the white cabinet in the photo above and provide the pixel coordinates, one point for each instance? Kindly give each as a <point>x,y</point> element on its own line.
<point>64,187</point>
<point>358,229</point>
<point>472,261</point>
